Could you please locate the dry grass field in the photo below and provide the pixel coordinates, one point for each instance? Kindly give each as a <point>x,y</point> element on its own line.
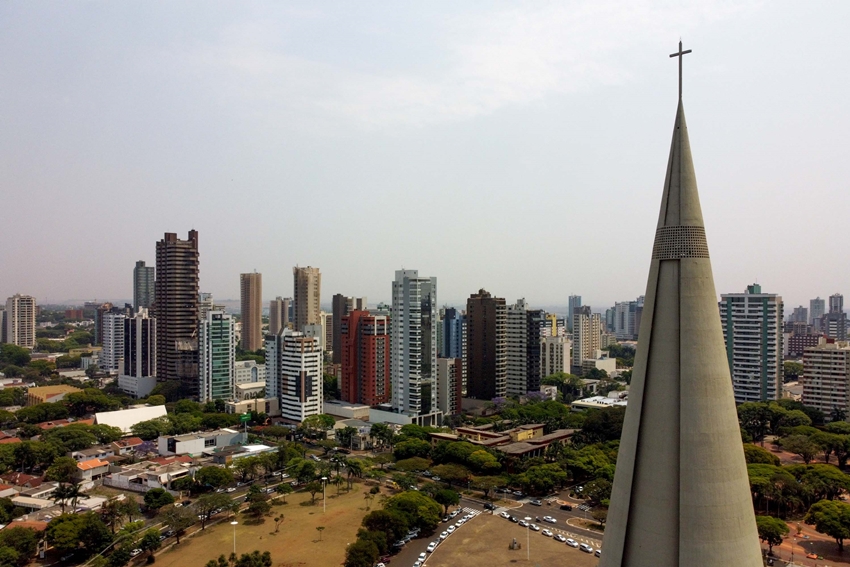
<point>486,539</point>
<point>296,545</point>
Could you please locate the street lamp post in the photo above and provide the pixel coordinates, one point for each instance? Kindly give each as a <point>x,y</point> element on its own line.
<point>528,537</point>
<point>324,501</point>
<point>233,523</point>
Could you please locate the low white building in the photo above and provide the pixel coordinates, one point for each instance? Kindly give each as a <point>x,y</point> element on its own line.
<point>200,443</point>
<point>250,390</point>
<point>268,406</point>
<point>127,418</point>
<point>346,410</point>
<point>136,386</point>
<point>613,399</point>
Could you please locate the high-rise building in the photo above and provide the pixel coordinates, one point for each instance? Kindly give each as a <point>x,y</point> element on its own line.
<point>453,321</point>
<point>449,380</point>
<point>627,319</point>
<point>341,306</point>
<point>20,321</point>
<point>176,311</point>
<point>834,323</point>
<point>294,374</point>
<point>111,355</point>
<point>799,315</point>
<point>554,355</point>
<point>574,302</point>
<point>486,370</point>
<point>537,327</point>
<point>278,315</point>
<point>307,296</point>
<point>826,376</point>
<point>251,302</point>
<point>365,358</point>
<point>516,346</point>
<point>139,345</point>
<point>413,346</point>
<point>817,308</point>
<point>98,321</point>
<point>216,357</point>
<point>587,336</point>
<point>752,329</point>
<point>144,278</point>
<point>681,420</point>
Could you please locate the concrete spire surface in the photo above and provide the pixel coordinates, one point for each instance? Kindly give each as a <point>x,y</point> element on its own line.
<point>681,494</point>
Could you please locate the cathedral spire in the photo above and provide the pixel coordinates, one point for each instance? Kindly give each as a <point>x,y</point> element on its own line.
<point>681,494</point>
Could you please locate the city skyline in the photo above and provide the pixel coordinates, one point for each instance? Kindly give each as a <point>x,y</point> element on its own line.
<point>562,135</point>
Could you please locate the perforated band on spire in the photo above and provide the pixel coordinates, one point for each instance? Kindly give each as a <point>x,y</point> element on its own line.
<point>675,242</point>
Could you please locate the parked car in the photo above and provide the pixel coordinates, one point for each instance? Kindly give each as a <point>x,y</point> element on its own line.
<point>550,519</point>
<point>586,548</point>
<point>535,527</point>
<point>135,552</point>
<point>432,546</point>
<point>436,478</point>
<point>559,537</point>
<point>566,507</point>
<point>489,506</point>
<point>518,494</point>
<point>598,553</point>
<point>276,473</point>
<point>536,503</point>
<point>547,533</point>
<point>571,542</point>
<point>231,489</point>
<point>505,515</point>
<point>523,523</point>
<point>422,556</point>
<point>513,519</point>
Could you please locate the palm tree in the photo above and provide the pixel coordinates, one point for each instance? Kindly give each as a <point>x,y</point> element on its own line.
<point>61,495</point>
<point>354,468</point>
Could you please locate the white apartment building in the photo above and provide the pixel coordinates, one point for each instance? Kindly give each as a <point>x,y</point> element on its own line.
<point>216,356</point>
<point>626,323</point>
<point>554,355</point>
<point>112,330</point>
<point>20,321</point>
<point>294,374</point>
<point>517,348</point>
<point>587,335</point>
<point>248,372</point>
<point>826,376</point>
<point>449,382</point>
<point>752,328</point>
<point>413,347</point>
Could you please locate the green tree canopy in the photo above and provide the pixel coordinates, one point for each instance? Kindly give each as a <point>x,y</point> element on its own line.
<point>771,530</point>
<point>831,518</point>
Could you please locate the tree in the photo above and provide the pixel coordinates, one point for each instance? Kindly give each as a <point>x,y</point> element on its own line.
<point>831,518</point>
<point>313,487</point>
<point>598,492</point>
<point>487,483</point>
<point>447,498</point>
<point>284,488</point>
<point>277,522</point>
<point>542,479</point>
<point>62,470</point>
<point>755,454</point>
<point>420,510</point>
<point>600,515</point>
<point>771,530</point>
<point>214,477</point>
<point>451,473</point>
<point>345,436</point>
<point>791,370</point>
<point>483,462</point>
<point>361,553</point>
<point>150,541</point>
<point>14,355</point>
<point>354,469</point>
<point>23,541</point>
<point>254,559</point>
<point>205,505</point>
<point>383,433</point>
<point>800,445</point>
<point>157,498</point>
<point>151,429</point>
<point>320,529</point>
<point>65,493</point>
<point>178,520</point>
<point>411,448</point>
<point>393,524</point>
<point>120,556</point>
<point>317,425</point>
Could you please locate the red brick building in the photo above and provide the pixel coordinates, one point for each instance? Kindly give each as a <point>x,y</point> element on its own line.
<point>365,346</point>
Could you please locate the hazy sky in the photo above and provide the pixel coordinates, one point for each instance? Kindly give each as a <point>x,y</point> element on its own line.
<point>518,147</point>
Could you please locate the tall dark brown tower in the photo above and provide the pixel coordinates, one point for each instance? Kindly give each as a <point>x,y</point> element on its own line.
<point>486,346</point>
<point>176,310</point>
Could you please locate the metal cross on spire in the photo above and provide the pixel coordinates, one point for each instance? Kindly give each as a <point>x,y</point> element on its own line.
<point>680,55</point>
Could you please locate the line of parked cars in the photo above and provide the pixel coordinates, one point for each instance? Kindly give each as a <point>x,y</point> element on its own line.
<point>548,533</point>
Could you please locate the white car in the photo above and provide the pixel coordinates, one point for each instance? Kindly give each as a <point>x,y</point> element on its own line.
<point>534,527</point>
<point>422,556</point>
<point>586,548</point>
<point>417,564</point>
<point>572,543</point>
<point>231,489</point>
<point>444,535</point>
<point>550,519</point>
<point>547,533</point>
<point>450,529</point>
<point>505,515</point>
<point>559,537</point>
<point>432,546</point>
<point>523,523</point>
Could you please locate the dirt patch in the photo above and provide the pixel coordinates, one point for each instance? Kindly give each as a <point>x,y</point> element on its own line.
<point>486,541</point>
